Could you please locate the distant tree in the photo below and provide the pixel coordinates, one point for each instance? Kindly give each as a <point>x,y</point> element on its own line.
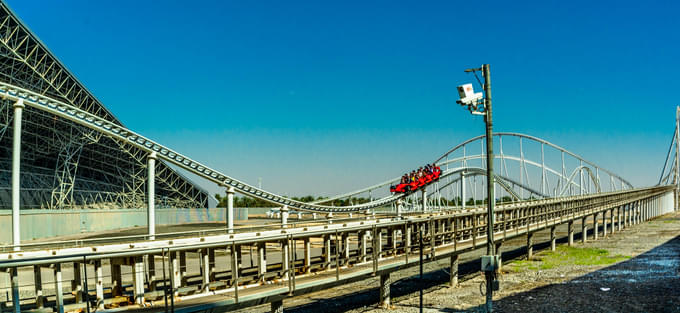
<point>505,199</point>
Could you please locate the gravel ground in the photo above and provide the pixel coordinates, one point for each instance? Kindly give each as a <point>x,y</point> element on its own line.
<point>644,277</point>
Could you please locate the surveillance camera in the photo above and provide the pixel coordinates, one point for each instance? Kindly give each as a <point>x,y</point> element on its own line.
<point>465,90</point>
<point>472,100</point>
<point>467,95</point>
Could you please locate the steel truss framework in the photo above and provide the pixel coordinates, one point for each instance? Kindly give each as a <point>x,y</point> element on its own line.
<point>529,167</point>
<point>65,165</point>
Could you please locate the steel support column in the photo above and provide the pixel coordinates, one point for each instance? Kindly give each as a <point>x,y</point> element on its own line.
<point>16,174</point>
<point>285,257</point>
<point>604,223</point>
<point>453,271</point>
<point>277,306</point>
<point>151,269</point>
<point>584,230</point>
<point>393,241</point>
<point>385,283</point>
<point>204,257</point>
<point>363,242</point>
<point>308,255</point>
<point>462,190</point>
<point>553,239</point>
<point>151,197</point>
<point>176,273</point>
<point>58,288</point>
<point>99,286</point>
<point>262,260</point>
<point>327,250</point>
<point>570,231</point>
<point>379,243</point>
<point>77,283</point>
<point>116,280</point>
<point>424,194</point>
<point>138,279</point>
<point>596,226</point>
<point>530,245</point>
<point>37,280</point>
<point>345,248</point>
<point>230,209</point>
<point>284,216</point>
<point>14,277</point>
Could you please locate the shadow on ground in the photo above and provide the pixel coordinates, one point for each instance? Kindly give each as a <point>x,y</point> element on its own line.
<point>649,282</point>
<point>404,287</point>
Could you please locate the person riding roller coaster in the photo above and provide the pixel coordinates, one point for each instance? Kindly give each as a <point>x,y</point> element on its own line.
<point>417,179</point>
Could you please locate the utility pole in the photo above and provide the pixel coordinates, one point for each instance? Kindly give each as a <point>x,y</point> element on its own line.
<point>471,100</point>
<point>490,245</point>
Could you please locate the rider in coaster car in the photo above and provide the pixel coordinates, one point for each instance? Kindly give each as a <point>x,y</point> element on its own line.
<point>421,177</point>
<point>428,174</point>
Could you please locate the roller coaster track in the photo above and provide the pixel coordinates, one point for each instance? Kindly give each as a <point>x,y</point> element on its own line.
<point>591,169</point>
<point>122,134</point>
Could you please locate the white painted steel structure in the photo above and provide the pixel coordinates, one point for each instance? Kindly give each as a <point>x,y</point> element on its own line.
<point>542,185</point>
<point>284,263</point>
<point>131,138</point>
<point>522,221</point>
<point>64,165</point>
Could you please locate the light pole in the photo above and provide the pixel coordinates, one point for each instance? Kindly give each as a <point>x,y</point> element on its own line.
<point>472,100</point>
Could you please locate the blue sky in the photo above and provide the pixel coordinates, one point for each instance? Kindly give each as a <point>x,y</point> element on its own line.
<point>319,97</point>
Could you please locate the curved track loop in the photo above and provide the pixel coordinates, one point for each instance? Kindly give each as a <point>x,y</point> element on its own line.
<point>117,132</point>
<point>547,180</point>
<point>586,165</point>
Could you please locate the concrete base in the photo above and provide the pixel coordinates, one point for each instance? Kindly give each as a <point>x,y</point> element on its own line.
<point>453,271</point>
<point>553,239</point>
<point>596,226</point>
<point>570,226</point>
<point>584,231</point>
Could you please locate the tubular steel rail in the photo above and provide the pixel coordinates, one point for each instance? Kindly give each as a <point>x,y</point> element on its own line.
<point>551,175</point>
<point>125,135</point>
<point>259,267</point>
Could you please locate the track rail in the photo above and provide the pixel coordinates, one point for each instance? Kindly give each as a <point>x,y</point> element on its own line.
<point>125,135</point>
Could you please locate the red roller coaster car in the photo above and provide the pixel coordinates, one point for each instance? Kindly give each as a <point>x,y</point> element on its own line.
<point>420,182</point>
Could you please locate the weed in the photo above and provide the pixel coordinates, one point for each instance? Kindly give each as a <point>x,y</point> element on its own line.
<point>565,255</point>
